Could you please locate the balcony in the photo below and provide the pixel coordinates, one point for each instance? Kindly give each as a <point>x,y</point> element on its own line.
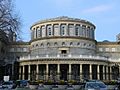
<point>65,56</point>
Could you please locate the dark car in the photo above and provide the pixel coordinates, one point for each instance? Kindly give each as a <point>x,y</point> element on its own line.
<point>9,85</point>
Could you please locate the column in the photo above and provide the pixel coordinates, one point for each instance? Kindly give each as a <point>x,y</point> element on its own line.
<point>107,77</point>
<point>59,31</point>
<point>52,27</point>
<point>37,72</point>
<point>110,72</point>
<point>23,72</point>
<point>58,71</point>
<point>103,72</point>
<point>67,28</point>
<point>28,72</point>
<point>46,71</point>
<point>90,71</point>
<point>80,71</point>
<point>19,72</point>
<point>98,72</point>
<point>69,71</point>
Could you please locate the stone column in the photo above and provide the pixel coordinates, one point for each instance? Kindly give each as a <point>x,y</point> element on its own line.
<point>28,72</point>
<point>46,71</point>
<point>23,73</point>
<point>90,71</point>
<point>98,72</point>
<point>19,72</point>
<point>80,71</point>
<point>58,71</point>
<point>103,72</point>
<point>59,31</point>
<point>37,72</point>
<point>107,73</point>
<point>110,72</point>
<point>69,71</point>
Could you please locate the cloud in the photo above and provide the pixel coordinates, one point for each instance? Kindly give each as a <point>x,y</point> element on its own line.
<point>97,9</point>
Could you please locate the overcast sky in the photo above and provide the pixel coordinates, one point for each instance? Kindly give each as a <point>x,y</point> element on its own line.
<point>105,14</point>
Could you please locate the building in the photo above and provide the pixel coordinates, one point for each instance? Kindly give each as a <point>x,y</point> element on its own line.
<point>65,48</point>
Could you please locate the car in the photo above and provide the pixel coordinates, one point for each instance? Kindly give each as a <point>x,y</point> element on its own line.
<point>55,87</point>
<point>41,87</point>
<point>94,85</point>
<point>8,85</point>
<point>69,87</point>
<point>118,81</point>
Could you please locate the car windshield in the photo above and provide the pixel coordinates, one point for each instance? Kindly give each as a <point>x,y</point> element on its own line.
<point>95,85</point>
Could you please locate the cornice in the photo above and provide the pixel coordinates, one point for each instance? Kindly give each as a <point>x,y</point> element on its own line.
<point>65,37</point>
<point>63,18</point>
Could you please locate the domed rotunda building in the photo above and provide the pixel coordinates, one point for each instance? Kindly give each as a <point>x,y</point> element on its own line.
<point>65,48</point>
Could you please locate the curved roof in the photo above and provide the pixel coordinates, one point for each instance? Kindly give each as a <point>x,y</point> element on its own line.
<point>64,18</point>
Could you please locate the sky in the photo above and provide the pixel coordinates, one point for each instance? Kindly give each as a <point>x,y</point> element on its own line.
<point>104,14</point>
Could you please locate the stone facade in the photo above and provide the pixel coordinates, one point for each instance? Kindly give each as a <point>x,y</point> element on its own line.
<point>64,48</point>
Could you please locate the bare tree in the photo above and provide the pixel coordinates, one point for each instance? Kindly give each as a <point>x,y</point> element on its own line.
<point>9,21</point>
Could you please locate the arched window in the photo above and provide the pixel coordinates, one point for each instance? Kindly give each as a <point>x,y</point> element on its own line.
<point>48,44</point>
<point>42,45</point>
<point>71,43</point>
<point>63,43</point>
<point>78,44</point>
<point>55,44</point>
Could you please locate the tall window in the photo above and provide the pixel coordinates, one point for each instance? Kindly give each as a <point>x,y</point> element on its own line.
<point>84,30</point>
<point>62,30</point>
<point>77,30</point>
<point>38,32</point>
<point>71,29</point>
<point>49,30</point>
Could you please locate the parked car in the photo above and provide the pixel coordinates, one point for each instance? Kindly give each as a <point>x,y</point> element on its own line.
<point>55,87</point>
<point>69,87</point>
<point>41,87</point>
<point>118,81</point>
<point>9,85</point>
<point>94,85</point>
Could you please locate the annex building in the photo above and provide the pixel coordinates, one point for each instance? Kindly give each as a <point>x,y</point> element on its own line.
<point>65,48</point>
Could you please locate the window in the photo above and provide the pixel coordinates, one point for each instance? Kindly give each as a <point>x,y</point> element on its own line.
<point>38,32</point>
<point>63,43</point>
<point>113,49</point>
<point>84,30</point>
<point>63,30</point>
<point>19,49</point>
<point>78,43</point>
<point>42,45</point>
<point>107,49</point>
<point>25,49</point>
<point>71,43</point>
<point>77,31</point>
<point>63,51</point>
<point>55,44</point>
<point>48,44</point>
<point>100,49</point>
<point>12,50</point>
<point>49,30</point>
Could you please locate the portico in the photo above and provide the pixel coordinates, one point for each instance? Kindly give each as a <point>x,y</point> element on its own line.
<point>61,70</point>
